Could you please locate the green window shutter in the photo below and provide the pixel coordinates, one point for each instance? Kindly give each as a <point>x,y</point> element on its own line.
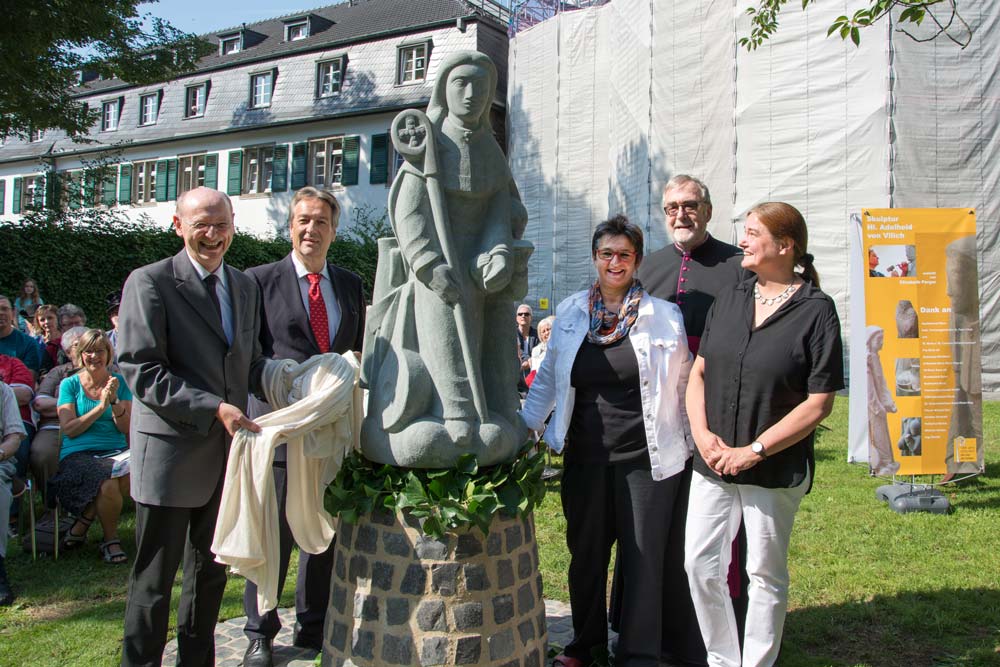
<point>212,170</point>
<point>352,150</point>
<point>171,179</point>
<point>279,169</point>
<point>125,184</point>
<point>52,191</point>
<point>15,206</point>
<point>3,195</point>
<point>299,152</point>
<point>234,182</point>
<point>108,188</point>
<point>161,180</point>
<point>73,189</point>
<point>378,171</point>
<point>89,187</point>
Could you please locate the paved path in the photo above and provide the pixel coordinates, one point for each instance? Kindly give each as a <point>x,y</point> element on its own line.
<point>230,642</point>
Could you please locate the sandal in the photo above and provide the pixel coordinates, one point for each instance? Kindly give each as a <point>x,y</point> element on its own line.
<point>564,660</point>
<point>113,557</point>
<point>71,539</point>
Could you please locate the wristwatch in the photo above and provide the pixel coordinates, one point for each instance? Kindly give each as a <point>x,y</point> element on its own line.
<point>757,447</point>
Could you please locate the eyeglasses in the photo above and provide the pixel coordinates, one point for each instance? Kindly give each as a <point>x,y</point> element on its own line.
<point>524,314</point>
<point>671,208</point>
<point>608,255</point>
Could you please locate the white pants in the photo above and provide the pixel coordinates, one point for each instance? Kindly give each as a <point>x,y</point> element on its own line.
<point>713,520</point>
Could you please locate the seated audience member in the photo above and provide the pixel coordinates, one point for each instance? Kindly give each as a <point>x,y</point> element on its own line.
<point>544,331</point>
<point>17,376</point>
<point>15,343</point>
<point>48,441</point>
<point>71,315</point>
<point>11,432</point>
<point>49,334</point>
<point>114,300</point>
<point>94,410</point>
<point>27,315</point>
<point>27,299</point>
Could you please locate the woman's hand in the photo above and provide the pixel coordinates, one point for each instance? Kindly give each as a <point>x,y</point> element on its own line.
<point>711,447</point>
<point>109,393</point>
<point>735,460</point>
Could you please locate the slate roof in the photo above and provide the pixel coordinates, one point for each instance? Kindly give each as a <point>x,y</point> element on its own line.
<point>338,24</point>
<point>367,32</point>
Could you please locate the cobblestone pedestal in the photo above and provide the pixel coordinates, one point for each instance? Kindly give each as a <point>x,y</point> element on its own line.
<point>401,598</point>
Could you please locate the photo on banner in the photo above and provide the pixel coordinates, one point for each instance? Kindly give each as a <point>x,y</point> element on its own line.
<point>920,412</point>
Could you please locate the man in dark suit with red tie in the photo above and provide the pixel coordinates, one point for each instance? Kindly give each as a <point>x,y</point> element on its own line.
<point>310,307</point>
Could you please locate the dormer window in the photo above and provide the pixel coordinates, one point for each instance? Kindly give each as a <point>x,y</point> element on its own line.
<point>230,44</point>
<point>296,30</point>
<point>110,112</point>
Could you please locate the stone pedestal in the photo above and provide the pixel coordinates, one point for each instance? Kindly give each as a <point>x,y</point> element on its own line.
<point>400,598</point>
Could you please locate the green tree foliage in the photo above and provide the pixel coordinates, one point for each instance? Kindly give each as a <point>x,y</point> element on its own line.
<point>943,14</point>
<point>45,43</point>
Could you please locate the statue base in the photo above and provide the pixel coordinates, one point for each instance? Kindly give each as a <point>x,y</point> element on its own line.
<point>399,597</point>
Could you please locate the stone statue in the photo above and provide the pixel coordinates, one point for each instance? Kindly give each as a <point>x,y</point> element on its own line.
<point>439,360</point>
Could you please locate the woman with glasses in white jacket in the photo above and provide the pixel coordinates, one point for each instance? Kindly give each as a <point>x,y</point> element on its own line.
<point>615,371</point>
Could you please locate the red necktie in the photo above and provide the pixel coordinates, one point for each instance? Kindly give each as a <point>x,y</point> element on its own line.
<point>317,313</point>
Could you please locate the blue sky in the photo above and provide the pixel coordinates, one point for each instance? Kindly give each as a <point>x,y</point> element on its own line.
<point>203,16</point>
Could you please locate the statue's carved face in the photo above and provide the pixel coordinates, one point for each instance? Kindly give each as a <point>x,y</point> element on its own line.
<point>467,92</point>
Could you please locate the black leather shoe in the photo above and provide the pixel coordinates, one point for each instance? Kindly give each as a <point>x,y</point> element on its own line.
<point>306,640</point>
<point>258,654</point>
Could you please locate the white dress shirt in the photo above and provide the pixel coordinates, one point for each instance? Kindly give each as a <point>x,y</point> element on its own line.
<point>326,288</point>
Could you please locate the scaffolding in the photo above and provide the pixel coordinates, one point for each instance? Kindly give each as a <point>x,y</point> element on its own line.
<point>519,15</point>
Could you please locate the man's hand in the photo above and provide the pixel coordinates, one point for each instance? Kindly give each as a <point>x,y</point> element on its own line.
<point>444,284</point>
<point>233,419</point>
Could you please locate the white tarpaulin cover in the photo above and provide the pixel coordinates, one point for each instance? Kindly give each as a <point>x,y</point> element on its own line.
<point>607,103</point>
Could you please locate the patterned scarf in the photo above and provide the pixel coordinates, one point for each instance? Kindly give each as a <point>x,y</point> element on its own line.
<point>605,327</point>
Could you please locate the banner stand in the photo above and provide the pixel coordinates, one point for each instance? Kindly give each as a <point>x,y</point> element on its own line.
<point>904,498</point>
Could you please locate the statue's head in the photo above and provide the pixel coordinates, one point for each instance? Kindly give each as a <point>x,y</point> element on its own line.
<point>464,89</point>
<point>876,337</point>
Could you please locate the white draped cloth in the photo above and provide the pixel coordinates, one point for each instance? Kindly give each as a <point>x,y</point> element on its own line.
<point>318,414</point>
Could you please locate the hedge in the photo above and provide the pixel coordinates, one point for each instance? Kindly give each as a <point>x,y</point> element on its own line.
<point>82,264</point>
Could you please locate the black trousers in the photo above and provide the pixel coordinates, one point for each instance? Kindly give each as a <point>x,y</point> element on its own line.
<point>604,504</point>
<point>312,590</point>
<point>165,535</point>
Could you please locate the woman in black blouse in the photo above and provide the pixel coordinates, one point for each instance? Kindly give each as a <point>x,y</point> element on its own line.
<point>769,364</point>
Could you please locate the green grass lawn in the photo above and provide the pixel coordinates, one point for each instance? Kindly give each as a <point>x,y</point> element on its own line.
<point>869,587</point>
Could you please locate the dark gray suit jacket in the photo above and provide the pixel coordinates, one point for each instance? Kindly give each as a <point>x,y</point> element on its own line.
<point>175,359</point>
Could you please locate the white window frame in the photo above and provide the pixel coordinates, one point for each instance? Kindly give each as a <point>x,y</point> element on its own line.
<point>335,68</point>
<point>295,26</point>
<point>110,115</point>
<point>144,118</point>
<point>411,63</point>
<point>236,41</point>
<point>144,182</point>
<point>36,136</point>
<point>190,172</point>
<point>195,108</point>
<point>32,192</point>
<point>258,170</point>
<point>261,89</point>
<point>326,162</point>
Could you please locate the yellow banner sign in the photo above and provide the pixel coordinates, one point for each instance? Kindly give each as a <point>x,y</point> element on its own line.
<point>922,338</point>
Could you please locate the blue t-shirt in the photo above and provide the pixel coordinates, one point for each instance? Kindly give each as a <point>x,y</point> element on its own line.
<point>102,435</point>
<point>23,347</point>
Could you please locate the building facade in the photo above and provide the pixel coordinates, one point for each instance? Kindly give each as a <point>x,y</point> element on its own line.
<point>302,99</point>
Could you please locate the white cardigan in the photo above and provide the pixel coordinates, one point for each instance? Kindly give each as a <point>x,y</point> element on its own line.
<point>661,349</point>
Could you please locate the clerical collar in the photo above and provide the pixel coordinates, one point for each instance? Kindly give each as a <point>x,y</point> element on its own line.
<point>688,252</point>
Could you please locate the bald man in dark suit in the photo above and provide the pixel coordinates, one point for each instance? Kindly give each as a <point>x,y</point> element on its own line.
<point>189,351</point>
<point>310,307</point>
